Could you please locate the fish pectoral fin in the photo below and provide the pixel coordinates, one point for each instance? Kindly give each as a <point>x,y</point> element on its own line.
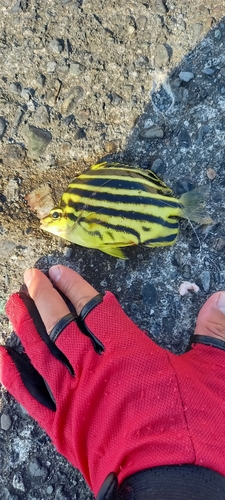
<point>113,251</point>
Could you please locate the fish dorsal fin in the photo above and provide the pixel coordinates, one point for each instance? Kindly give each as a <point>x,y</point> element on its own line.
<point>155,184</point>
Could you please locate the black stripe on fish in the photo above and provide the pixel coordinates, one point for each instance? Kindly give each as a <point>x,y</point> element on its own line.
<point>113,183</point>
<point>122,198</point>
<point>113,212</point>
<point>114,227</point>
<point>161,239</point>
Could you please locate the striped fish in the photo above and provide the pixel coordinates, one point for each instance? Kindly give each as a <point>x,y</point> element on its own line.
<point>113,205</point>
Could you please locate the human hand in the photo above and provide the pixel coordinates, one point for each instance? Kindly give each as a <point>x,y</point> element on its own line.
<point>110,402</point>
<point>76,388</point>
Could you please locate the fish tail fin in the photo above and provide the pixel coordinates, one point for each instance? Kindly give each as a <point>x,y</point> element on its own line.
<point>193,205</point>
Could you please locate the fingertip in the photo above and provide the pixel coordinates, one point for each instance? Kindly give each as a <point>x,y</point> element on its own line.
<point>55,273</point>
<point>28,276</point>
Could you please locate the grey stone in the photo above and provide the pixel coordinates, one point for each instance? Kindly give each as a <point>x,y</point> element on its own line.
<point>197,30</point>
<point>12,191</point>
<point>149,294</point>
<point>222,71</point>
<point>186,76</point>
<point>159,6</point>
<point>76,69</point>
<point>13,155</point>
<point>51,66</point>
<point>217,34</point>
<point>184,139</point>
<point>75,95</point>
<point>68,252</point>
<point>18,118</point>
<point>49,490</point>
<point>6,422</point>
<point>41,79</point>
<point>4,494</point>
<point>2,126</point>
<point>205,279</point>
<point>158,166</point>
<point>42,116</point>
<point>56,46</point>
<point>37,471</point>
<point>37,140</point>
<point>15,88</point>
<point>152,132</point>
<point>7,247</point>
<point>208,71</point>
<point>18,483</point>
<point>115,99</point>
<point>161,55</point>
<point>26,94</point>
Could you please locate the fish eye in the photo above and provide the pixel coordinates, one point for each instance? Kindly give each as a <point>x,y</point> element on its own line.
<point>56,215</point>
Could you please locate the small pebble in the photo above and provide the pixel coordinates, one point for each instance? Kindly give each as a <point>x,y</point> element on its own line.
<point>115,99</point>
<point>153,132</point>
<point>49,490</point>
<point>6,422</point>
<point>184,139</point>
<point>37,471</point>
<point>208,71</point>
<point>222,71</point>
<point>217,34</point>
<point>68,252</point>
<point>15,88</point>
<point>205,279</point>
<point>76,69</point>
<point>2,126</point>
<point>161,55</point>
<point>7,247</point>
<point>186,76</point>
<point>211,173</point>
<point>12,190</point>
<point>41,80</point>
<point>37,140</point>
<point>159,7</point>
<point>13,155</point>
<point>17,482</point>
<point>197,30</point>
<point>42,116</point>
<point>158,166</point>
<point>56,46</point>
<point>51,65</point>
<point>149,294</point>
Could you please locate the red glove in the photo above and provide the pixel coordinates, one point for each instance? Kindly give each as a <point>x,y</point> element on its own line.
<point>107,396</point>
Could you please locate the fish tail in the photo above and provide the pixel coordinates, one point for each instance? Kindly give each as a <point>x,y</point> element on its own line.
<point>193,205</point>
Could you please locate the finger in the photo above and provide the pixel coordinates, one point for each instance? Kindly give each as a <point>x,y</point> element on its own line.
<point>11,379</point>
<point>73,286</point>
<point>42,353</point>
<point>49,303</point>
<point>211,318</point>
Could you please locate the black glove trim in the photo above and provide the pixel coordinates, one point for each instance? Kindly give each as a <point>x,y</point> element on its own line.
<point>90,305</point>
<point>109,489</point>
<point>40,327</point>
<point>62,323</point>
<point>97,344</point>
<point>32,380</point>
<point>204,339</point>
<point>177,482</point>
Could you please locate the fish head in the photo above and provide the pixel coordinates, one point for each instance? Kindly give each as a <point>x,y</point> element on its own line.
<point>57,222</point>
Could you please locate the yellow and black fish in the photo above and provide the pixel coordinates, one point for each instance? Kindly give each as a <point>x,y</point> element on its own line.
<point>112,205</point>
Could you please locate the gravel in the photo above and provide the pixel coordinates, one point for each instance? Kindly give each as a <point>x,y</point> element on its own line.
<point>81,82</point>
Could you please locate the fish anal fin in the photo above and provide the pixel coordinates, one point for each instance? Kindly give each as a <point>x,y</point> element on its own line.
<point>113,251</point>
